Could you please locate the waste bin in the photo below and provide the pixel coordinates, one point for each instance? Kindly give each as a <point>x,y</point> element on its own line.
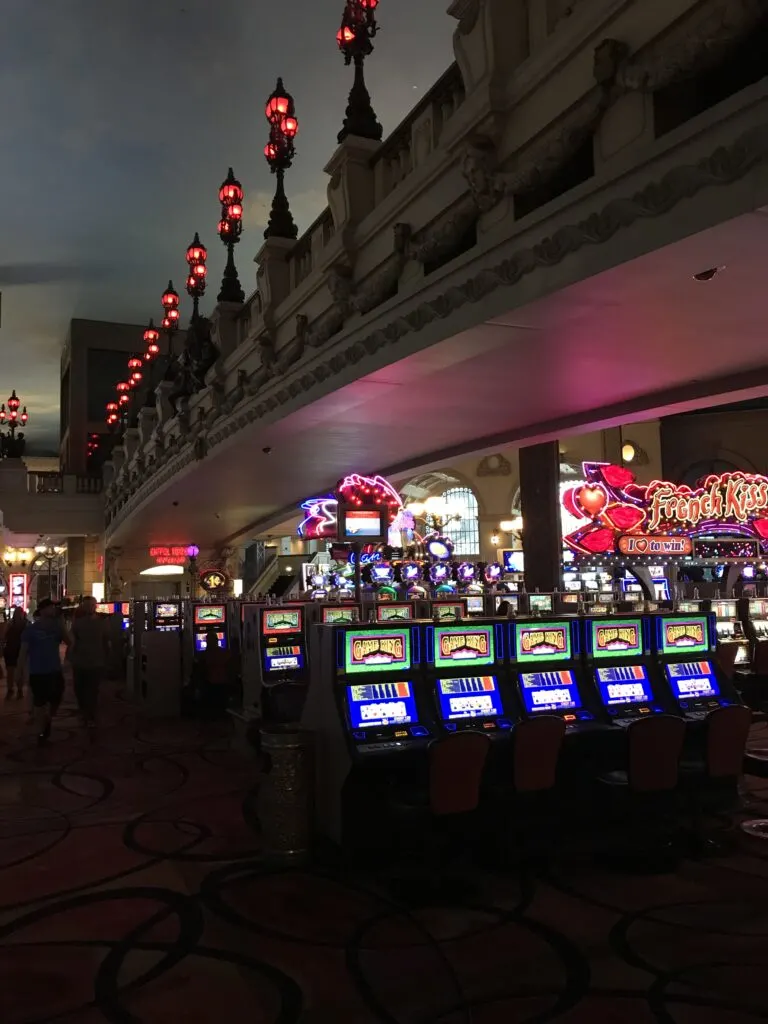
<point>286,791</point>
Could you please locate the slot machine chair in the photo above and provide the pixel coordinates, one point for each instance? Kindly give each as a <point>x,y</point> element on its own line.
<point>642,796</point>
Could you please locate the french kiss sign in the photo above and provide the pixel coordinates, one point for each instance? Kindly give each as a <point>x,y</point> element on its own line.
<point>620,516</point>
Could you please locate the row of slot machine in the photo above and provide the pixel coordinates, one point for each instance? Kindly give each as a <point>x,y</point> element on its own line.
<point>380,693</point>
<point>741,622</point>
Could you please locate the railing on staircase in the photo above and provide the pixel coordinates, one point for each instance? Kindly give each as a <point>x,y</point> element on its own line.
<point>262,568</point>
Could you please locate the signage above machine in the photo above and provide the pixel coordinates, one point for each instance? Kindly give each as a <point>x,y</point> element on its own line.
<point>612,514</point>
<point>213,579</point>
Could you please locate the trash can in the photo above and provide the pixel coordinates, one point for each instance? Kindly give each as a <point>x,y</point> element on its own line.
<point>286,792</point>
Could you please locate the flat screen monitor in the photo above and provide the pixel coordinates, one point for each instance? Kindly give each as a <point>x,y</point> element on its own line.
<point>376,650</point>
<point>724,609</point>
<point>623,684</point>
<point>469,697</point>
<point>514,561</point>
<point>350,613</point>
<point>210,614</point>
<point>511,599</point>
<point>166,611</point>
<point>462,645</point>
<point>683,635</point>
<point>692,679</point>
<point>615,638</point>
<point>284,659</point>
<point>475,604</point>
<point>201,641</point>
<point>280,620</point>
<point>366,525</point>
<point>447,609</point>
<point>540,603</point>
<point>549,691</point>
<point>394,612</point>
<point>543,641</point>
<point>373,705</point>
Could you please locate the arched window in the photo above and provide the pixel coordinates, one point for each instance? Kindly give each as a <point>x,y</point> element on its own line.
<point>464,532</point>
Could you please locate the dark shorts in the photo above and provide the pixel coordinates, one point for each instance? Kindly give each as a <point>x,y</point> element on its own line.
<point>47,689</point>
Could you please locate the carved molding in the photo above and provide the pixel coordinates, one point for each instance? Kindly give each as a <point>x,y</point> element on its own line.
<point>494,465</point>
<point>723,167</point>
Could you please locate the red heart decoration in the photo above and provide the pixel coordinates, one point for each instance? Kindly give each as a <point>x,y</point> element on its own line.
<point>592,499</point>
<point>636,491</point>
<point>761,526</point>
<point>569,503</point>
<point>598,541</point>
<point>625,517</point>
<point>617,476</point>
<point>641,545</point>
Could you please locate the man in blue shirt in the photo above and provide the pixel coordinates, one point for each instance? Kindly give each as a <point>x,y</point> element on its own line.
<point>40,653</point>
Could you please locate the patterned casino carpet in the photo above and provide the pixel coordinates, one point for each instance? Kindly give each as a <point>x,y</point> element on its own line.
<point>131,890</point>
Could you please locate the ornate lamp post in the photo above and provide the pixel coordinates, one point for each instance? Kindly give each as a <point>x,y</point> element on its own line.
<point>49,553</point>
<point>230,228</point>
<point>279,152</point>
<point>171,314</point>
<point>112,417</point>
<point>14,418</point>
<point>196,256</point>
<point>358,27</point>
<point>151,341</point>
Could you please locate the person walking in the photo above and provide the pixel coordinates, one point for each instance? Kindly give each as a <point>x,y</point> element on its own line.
<point>41,658</point>
<point>89,656</point>
<point>16,627</point>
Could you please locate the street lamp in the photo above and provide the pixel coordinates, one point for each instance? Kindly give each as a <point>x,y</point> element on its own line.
<point>358,27</point>
<point>196,257</point>
<point>279,152</point>
<point>13,419</point>
<point>49,553</point>
<point>230,228</point>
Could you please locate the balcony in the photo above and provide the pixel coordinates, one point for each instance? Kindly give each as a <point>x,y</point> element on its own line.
<point>60,504</point>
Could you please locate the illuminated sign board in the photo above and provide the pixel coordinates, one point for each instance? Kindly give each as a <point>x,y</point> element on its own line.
<point>546,641</point>
<point>683,635</point>
<point>357,497</point>
<point>376,650</point>
<point>280,620</point>
<point>171,554</point>
<point>612,638</point>
<point>610,513</point>
<point>460,645</point>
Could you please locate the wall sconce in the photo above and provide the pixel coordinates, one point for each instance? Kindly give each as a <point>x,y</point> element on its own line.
<point>632,452</point>
<point>495,540</point>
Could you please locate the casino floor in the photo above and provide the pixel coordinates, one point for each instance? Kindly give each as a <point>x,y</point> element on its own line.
<point>132,889</point>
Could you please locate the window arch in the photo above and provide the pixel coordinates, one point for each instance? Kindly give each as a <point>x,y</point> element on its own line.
<point>464,532</point>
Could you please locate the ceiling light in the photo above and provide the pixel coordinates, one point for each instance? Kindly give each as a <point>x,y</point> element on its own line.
<point>628,451</point>
<point>163,570</point>
<point>708,275</point>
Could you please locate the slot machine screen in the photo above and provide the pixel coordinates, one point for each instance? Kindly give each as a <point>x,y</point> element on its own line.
<point>469,697</point>
<point>373,705</point>
<point>724,609</point>
<point>512,599</point>
<point>540,602</point>
<point>687,635</point>
<point>692,679</point>
<point>362,524</point>
<point>757,609</point>
<point>394,612</point>
<point>163,612</point>
<point>103,609</point>
<point>447,611</point>
<point>375,650</point>
<point>333,615</point>
<point>545,641</point>
<point>210,614</point>
<point>201,641</point>
<point>289,658</point>
<point>549,691</point>
<point>280,620</point>
<point>688,607</point>
<point>475,604</point>
<point>623,684</point>
<point>616,637</point>
<point>460,645</point>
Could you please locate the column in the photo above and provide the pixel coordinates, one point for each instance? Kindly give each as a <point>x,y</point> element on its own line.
<point>540,501</point>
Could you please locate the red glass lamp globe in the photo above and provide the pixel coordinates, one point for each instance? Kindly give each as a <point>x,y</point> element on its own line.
<point>231,190</point>
<point>279,104</point>
<point>170,299</point>
<point>121,386</point>
<point>289,126</point>
<point>196,253</point>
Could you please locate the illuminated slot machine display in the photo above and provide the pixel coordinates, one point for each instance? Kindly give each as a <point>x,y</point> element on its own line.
<point>617,655</point>
<point>475,604</point>
<point>758,617</point>
<point>333,615</point>
<point>462,675</point>
<point>166,616</point>
<point>448,611</point>
<point>123,609</point>
<point>689,607</point>
<point>396,612</point>
<point>103,609</point>
<point>685,646</point>
<point>283,644</point>
<point>547,669</point>
<point>205,617</point>
<point>730,629</point>
<point>513,600</point>
<point>541,604</point>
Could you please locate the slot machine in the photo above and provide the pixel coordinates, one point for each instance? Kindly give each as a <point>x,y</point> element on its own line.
<point>447,611</point>
<point>685,646</point>
<point>250,654</point>
<point>617,656</point>
<point>166,616</point>
<point>547,672</point>
<point>396,612</point>
<point>283,644</point>
<point>160,658</point>
<point>463,670</point>
<point>333,615</point>
<point>756,620</point>
<point>205,617</point>
<point>369,727</point>
<point>729,628</point>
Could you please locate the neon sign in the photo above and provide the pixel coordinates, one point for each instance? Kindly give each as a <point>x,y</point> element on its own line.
<point>172,554</point>
<point>321,514</point>
<point>610,513</point>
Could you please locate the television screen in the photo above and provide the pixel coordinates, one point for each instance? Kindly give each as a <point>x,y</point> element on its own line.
<point>540,602</point>
<point>623,684</point>
<point>348,614</point>
<point>280,620</point>
<point>549,691</point>
<point>616,637</point>
<point>284,659</point>
<point>210,614</point>
<point>692,679</point>
<point>475,604</point>
<point>457,645</point>
<point>512,599</point>
<point>514,561</point>
<point>394,612</point>
<point>544,641</point>
<point>167,611</point>
<point>362,524</point>
<point>469,697</point>
<point>376,650</point>
<point>376,704</point>
<point>686,635</point>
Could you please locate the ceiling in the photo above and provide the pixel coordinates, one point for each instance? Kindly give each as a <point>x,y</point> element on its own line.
<point>640,340</point>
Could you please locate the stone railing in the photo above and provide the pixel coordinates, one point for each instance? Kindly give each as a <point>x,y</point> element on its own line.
<point>56,504</point>
<point>532,119</point>
<point>64,483</point>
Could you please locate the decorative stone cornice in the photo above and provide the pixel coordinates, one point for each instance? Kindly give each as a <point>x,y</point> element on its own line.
<point>725,166</point>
